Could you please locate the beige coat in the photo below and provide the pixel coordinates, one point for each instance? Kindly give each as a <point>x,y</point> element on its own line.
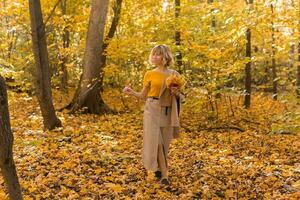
<point>161,125</point>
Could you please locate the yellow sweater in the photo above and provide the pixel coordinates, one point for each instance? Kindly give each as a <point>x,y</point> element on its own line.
<point>154,80</point>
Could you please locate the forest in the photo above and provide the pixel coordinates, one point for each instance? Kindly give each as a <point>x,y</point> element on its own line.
<point>68,130</point>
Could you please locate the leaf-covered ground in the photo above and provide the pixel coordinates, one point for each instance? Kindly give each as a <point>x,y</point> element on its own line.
<point>99,157</point>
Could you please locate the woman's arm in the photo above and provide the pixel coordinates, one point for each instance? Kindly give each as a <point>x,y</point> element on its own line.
<point>142,94</point>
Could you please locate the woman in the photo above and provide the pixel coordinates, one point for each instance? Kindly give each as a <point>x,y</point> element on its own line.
<point>161,120</point>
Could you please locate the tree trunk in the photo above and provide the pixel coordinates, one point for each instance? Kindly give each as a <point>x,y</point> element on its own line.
<point>298,67</point>
<point>213,20</point>
<point>298,73</point>
<point>178,54</point>
<point>274,73</point>
<point>43,84</point>
<point>248,71</point>
<point>64,59</point>
<point>7,163</point>
<point>292,61</point>
<point>213,27</point>
<point>87,96</point>
<point>117,11</point>
<point>248,67</point>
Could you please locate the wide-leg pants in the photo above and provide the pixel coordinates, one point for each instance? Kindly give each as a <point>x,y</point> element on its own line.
<point>156,131</point>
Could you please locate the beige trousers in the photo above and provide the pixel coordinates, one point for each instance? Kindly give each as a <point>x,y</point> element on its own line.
<point>157,131</point>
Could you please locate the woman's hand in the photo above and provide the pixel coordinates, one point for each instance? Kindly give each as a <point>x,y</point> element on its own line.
<point>128,90</point>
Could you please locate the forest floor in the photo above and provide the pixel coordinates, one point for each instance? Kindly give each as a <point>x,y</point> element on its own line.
<point>229,154</point>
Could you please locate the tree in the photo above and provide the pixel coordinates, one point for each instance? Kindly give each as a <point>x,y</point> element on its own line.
<point>7,163</point>
<point>114,24</point>
<point>42,74</point>
<point>178,54</point>
<point>213,30</point>
<point>298,66</point>
<point>274,73</point>
<point>213,20</point>
<point>88,95</point>
<point>248,66</point>
<point>66,44</point>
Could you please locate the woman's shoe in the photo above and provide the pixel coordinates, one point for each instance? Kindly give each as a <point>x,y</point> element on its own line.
<point>165,181</point>
<point>158,174</point>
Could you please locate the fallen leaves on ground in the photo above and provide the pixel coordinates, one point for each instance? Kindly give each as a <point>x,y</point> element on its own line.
<point>99,157</point>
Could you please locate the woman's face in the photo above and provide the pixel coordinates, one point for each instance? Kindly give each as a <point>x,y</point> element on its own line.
<point>157,59</point>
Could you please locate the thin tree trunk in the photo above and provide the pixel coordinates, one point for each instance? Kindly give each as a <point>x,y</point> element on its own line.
<point>66,44</point>
<point>292,60</point>
<point>247,100</point>
<point>115,21</point>
<point>266,75</point>
<point>213,27</point>
<point>87,96</point>
<point>274,73</point>
<point>7,163</point>
<point>292,48</point>
<point>298,67</point>
<point>213,20</point>
<point>178,54</point>
<point>298,73</point>
<point>13,36</point>
<point>248,71</point>
<point>43,84</point>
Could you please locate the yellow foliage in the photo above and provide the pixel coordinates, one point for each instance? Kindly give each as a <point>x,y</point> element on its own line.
<point>175,80</point>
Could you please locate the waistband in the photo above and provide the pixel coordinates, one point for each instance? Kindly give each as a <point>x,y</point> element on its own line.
<point>153,97</point>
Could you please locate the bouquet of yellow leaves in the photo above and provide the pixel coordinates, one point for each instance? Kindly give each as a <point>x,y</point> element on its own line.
<point>175,80</point>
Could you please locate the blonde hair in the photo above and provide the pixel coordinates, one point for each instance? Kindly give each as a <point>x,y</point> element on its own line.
<point>165,51</point>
